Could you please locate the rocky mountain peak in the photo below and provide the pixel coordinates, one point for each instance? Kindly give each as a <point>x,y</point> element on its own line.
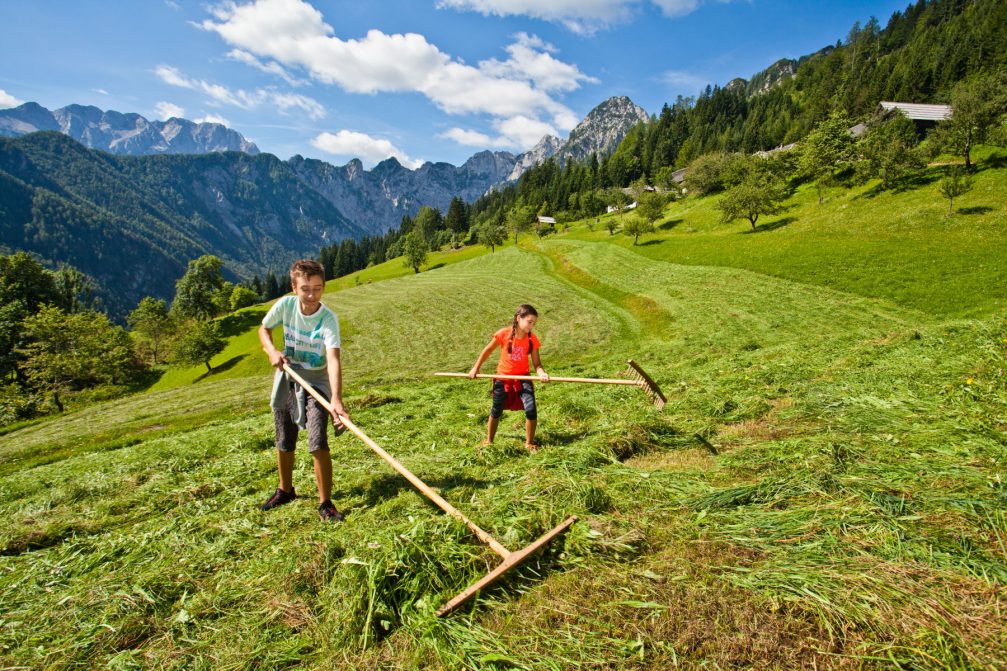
<point>124,133</point>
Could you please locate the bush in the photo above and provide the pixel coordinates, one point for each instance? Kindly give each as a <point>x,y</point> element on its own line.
<point>17,403</point>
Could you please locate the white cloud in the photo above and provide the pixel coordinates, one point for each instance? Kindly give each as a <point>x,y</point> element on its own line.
<point>517,132</point>
<point>673,8</point>
<point>524,132</point>
<point>287,101</point>
<point>530,60</point>
<point>7,100</point>
<point>272,67</point>
<point>101,91</point>
<point>351,144</point>
<point>213,118</point>
<point>684,80</point>
<point>166,110</point>
<point>294,34</point>
<point>240,98</point>
<point>584,17</point>
<point>469,138</point>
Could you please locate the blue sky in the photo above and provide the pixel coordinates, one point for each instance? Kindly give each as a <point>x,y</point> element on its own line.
<point>421,80</point>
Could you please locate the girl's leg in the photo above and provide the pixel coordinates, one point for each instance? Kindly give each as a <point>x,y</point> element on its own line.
<point>491,428</point>
<point>496,411</point>
<point>530,413</point>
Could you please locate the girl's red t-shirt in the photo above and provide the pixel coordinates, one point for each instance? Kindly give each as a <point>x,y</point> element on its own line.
<point>514,362</point>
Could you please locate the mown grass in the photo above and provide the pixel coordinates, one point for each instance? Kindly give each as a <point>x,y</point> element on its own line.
<point>897,245</point>
<point>825,489</point>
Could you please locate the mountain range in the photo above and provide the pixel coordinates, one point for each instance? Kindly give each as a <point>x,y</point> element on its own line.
<point>129,134</point>
<point>374,200</point>
<point>131,213</point>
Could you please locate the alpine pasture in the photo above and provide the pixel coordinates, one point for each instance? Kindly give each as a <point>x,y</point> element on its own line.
<point>825,489</point>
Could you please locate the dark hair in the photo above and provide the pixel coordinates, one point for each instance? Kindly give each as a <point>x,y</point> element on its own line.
<point>523,310</point>
<point>306,268</point>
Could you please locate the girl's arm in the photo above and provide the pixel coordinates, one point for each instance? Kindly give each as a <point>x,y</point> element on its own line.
<point>482,358</point>
<point>538,366</point>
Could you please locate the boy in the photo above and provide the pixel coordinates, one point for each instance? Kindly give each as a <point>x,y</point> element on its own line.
<point>311,344</point>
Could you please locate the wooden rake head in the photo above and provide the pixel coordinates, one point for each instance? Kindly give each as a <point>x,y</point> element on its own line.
<point>647,384</point>
<point>510,559</point>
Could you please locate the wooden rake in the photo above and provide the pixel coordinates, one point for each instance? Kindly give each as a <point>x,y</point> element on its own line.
<point>640,379</point>
<point>510,559</point>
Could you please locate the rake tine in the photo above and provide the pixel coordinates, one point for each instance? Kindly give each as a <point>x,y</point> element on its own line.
<point>647,384</point>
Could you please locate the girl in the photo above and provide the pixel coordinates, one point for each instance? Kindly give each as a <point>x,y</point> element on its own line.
<point>517,343</point>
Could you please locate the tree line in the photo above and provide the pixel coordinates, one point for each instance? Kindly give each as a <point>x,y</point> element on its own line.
<point>941,51</point>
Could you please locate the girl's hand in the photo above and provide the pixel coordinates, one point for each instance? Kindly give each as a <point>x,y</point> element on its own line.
<point>542,375</point>
<point>473,373</point>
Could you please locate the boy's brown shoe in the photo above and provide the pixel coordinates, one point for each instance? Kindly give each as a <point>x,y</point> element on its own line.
<point>328,513</point>
<point>278,498</point>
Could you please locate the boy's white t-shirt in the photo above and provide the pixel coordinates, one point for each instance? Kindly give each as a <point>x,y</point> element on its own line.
<point>305,337</point>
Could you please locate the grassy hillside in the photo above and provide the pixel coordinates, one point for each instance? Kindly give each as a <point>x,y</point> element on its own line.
<point>825,488</point>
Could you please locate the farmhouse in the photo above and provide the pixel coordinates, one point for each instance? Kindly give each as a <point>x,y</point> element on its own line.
<point>923,116</point>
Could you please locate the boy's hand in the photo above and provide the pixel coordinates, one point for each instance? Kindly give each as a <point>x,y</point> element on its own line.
<point>338,411</point>
<point>277,359</point>
<point>542,375</point>
<point>473,373</point>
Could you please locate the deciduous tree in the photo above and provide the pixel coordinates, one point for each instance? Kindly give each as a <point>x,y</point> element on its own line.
<point>197,342</point>
<point>955,183</point>
<point>197,291</point>
<point>756,195</point>
<point>415,249</point>
<point>152,322</point>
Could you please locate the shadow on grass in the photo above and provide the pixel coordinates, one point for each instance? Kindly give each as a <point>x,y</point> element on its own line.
<point>237,324</point>
<point>648,243</point>
<point>975,209</point>
<point>388,485</point>
<point>670,224</point>
<point>435,267</point>
<point>227,365</point>
<point>772,226</point>
<point>904,184</point>
<point>995,161</point>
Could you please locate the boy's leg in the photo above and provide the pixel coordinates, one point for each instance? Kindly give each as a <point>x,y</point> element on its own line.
<point>323,474</point>
<point>285,465</point>
<point>286,441</point>
<point>318,444</point>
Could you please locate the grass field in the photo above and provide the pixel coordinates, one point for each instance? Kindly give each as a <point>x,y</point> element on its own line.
<point>825,489</point>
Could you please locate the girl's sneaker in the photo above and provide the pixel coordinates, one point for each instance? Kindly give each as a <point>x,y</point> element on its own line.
<point>328,513</point>
<point>278,498</point>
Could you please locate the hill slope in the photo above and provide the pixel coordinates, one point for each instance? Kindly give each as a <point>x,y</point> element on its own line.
<point>144,218</point>
<point>820,489</point>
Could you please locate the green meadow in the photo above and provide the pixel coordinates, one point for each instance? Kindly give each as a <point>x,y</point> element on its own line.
<point>826,488</point>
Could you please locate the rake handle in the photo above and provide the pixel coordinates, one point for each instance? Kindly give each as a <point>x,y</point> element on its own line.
<point>535,378</point>
<point>402,470</point>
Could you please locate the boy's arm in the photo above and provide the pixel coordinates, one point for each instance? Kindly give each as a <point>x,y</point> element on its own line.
<point>538,366</point>
<point>482,358</point>
<point>276,357</point>
<point>335,369</point>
